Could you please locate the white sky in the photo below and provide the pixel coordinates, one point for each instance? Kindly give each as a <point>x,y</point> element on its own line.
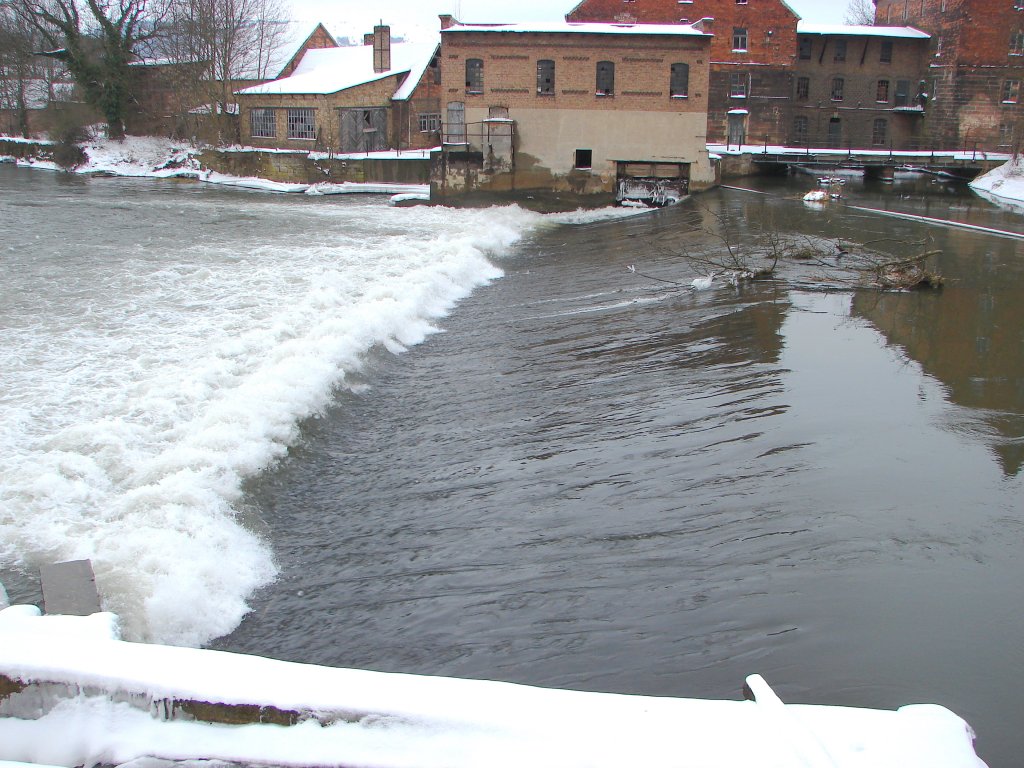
<point>414,17</point>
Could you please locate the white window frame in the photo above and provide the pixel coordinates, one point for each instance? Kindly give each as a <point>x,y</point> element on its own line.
<point>429,122</point>
<point>740,39</point>
<point>739,85</point>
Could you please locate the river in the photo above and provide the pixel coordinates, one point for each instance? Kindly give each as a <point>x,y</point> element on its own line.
<point>474,443</point>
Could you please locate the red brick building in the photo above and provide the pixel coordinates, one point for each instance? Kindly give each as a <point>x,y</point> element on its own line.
<point>975,67</point>
<point>778,80</point>
<point>752,56</point>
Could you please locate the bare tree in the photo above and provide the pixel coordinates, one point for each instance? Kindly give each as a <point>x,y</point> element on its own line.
<point>234,40</point>
<point>97,40</point>
<point>19,81</point>
<point>860,13</point>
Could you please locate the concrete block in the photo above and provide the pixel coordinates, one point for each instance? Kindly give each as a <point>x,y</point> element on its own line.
<point>69,588</point>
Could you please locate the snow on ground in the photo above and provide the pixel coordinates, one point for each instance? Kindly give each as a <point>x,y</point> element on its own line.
<point>155,157</point>
<point>354,717</point>
<point>142,156</point>
<point>1003,185</point>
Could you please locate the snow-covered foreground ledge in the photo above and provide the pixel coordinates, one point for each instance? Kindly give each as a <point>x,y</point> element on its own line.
<point>75,694</point>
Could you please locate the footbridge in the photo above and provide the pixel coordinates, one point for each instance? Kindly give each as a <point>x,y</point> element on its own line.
<point>739,160</point>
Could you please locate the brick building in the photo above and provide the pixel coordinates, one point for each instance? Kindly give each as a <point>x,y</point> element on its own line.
<point>349,99</point>
<point>857,86</point>
<point>590,111</point>
<point>315,40</point>
<point>752,54</point>
<point>975,67</point>
<point>778,80</point>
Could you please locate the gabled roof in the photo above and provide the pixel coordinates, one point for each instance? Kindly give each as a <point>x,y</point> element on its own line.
<point>293,51</point>
<point>805,28</point>
<point>561,27</point>
<point>329,70</point>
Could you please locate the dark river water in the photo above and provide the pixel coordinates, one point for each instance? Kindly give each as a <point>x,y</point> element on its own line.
<point>596,479</point>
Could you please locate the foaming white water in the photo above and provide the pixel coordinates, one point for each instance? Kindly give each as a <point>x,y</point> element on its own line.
<point>140,389</point>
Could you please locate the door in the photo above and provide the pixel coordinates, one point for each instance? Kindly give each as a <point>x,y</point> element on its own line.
<point>455,128</point>
<point>835,132</point>
<point>364,129</point>
<point>737,129</point>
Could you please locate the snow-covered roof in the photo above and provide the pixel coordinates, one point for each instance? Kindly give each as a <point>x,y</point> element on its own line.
<point>805,28</point>
<point>554,27</point>
<point>329,70</point>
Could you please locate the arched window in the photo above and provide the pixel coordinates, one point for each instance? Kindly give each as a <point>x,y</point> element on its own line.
<point>546,77</point>
<point>474,75</point>
<point>679,83</point>
<point>605,78</point>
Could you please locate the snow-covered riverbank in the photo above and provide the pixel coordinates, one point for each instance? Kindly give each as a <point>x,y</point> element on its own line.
<point>159,158</point>
<point>90,698</point>
<point>1003,185</point>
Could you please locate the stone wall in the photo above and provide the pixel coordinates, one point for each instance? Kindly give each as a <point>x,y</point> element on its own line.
<point>300,167</point>
<point>24,149</point>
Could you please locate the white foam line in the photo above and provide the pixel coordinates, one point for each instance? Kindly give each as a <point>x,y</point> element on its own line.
<point>744,189</point>
<point>943,222</point>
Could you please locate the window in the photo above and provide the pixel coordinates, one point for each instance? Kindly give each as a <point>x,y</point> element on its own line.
<point>805,48</point>
<point>474,75</point>
<point>1011,91</point>
<point>1017,44</point>
<point>584,158</point>
<point>902,96</point>
<point>741,2</point>
<point>301,123</point>
<point>679,81</point>
<point>799,130</point>
<point>739,38</point>
<point>546,77</point>
<point>803,88</point>
<point>840,54</point>
<point>738,85</point>
<point>605,78</point>
<point>262,124</point>
<point>1006,134</point>
<point>882,92</point>
<point>879,132</point>
<point>430,122</point>
<point>885,52</point>
<point>837,89</point>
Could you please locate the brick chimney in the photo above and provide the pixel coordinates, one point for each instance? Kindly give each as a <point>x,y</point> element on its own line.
<point>381,48</point>
<point>447,20</point>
